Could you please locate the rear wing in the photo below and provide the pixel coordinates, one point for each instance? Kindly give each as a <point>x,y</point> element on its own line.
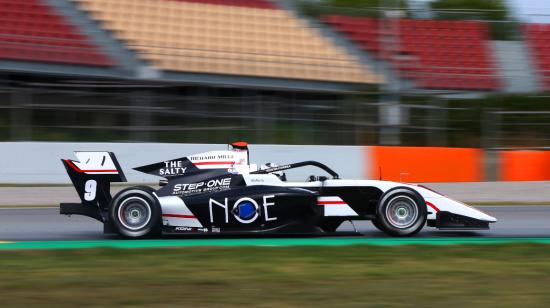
<point>91,176</point>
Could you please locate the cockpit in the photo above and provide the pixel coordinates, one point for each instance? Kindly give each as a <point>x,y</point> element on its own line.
<point>243,167</point>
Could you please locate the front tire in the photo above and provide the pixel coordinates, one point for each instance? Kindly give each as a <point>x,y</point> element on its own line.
<point>401,212</point>
<point>136,213</point>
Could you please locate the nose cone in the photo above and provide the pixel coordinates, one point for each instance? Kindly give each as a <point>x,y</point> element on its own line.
<point>458,207</point>
<point>489,218</point>
<point>476,213</point>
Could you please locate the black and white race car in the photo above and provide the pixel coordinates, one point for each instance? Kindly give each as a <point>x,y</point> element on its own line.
<point>220,192</point>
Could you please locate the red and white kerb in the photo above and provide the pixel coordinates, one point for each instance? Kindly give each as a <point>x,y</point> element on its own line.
<point>335,206</point>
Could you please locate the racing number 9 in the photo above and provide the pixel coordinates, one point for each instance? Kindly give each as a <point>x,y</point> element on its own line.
<point>90,188</point>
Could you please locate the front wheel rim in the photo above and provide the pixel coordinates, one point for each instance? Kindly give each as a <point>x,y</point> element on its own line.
<point>402,212</point>
<point>134,213</point>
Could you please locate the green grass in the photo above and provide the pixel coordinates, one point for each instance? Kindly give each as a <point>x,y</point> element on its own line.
<point>455,276</point>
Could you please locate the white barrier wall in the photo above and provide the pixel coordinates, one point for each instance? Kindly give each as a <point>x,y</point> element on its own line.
<point>39,162</point>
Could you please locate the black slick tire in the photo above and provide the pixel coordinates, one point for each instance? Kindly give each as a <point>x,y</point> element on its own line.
<point>401,212</point>
<point>136,213</point>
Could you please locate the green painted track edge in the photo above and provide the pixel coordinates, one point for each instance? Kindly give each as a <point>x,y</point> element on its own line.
<point>265,242</point>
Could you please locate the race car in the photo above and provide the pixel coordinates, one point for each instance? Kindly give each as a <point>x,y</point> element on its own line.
<point>221,192</point>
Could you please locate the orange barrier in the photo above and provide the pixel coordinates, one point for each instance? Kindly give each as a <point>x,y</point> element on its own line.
<point>425,164</point>
<point>524,165</point>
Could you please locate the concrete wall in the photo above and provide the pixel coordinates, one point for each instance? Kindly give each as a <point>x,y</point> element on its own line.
<point>39,162</point>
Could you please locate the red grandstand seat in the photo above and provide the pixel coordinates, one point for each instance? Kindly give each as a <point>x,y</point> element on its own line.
<point>32,31</point>
<point>537,37</point>
<point>449,54</point>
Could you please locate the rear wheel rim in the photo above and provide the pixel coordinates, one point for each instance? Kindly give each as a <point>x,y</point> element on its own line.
<point>402,212</point>
<point>134,213</point>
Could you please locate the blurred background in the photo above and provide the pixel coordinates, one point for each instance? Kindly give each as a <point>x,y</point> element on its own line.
<point>451,93</point>
<point>445,73</point>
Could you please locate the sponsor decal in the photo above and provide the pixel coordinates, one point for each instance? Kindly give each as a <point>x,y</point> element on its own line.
<point>201,187</point>
<point>212,157</point>
<point>276,168</point>
<point>183,229</point>
<point>174,167</point>
<point>245,210</point>
<point>191,229</point>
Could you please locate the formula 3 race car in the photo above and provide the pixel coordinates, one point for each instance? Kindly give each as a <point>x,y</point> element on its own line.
<point>220,192</point>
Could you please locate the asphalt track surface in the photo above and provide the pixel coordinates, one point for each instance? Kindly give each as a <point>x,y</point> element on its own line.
<point>45,224</point>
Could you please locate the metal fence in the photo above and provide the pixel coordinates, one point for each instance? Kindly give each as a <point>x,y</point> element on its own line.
<point>115,112</point>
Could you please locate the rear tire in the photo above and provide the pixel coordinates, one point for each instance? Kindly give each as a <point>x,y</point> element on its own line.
<point>135,212</point>
<point>401,212</point>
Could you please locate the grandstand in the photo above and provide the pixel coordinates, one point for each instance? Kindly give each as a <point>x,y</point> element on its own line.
<point>254,39</point>
<point>250,38</point>
<point>203,70</point>
<point>436,54</point>
<point>538,38</point>
<point>30,30</point>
